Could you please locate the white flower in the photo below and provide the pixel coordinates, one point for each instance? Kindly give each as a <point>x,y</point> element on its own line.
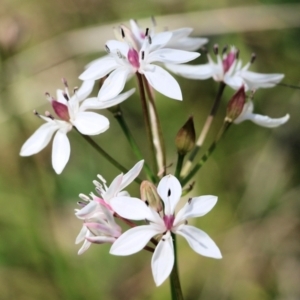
<point>135,239</point>
<point>229,70</point>
<point>126,58</point>
<point>71,113</point>
<point>99,226</point>
<point>265,121</point>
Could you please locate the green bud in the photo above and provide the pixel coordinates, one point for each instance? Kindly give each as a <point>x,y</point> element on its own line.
<point>236,104</point>
<point>186,136</point>
<point>150,196</point>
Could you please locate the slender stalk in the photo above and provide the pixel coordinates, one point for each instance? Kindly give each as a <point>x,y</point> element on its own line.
<point>157,131</point>
<point>106,155</point>
<point>174,277</point>
<point>147,119</point>
<point>207,154</point>
<point>180,159</point>
<point>205,129</point>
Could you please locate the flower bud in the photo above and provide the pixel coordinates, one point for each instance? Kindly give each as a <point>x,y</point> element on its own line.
<point>185,138</point>
<point>150,196</point>
<point>236,104</point>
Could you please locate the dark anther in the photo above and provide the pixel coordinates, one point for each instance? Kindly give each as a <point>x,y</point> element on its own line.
<point>163,239</point>
<point>147,31</point>
<point>75,89</point>
<point>169,192</point>
<point>185,222</point>
<point>123,33</point>
<point>216,49</point>
<point>149,40</point>
<point>47,114</point>
<point>237,54</point>
<point>225,49</point>
<point>146,202</point>
<point>143,54</point>
<point>66,96</point>
<point>36,113</point>
<point>204,49</point>
<point>253,57</point>
<point>190,200</point>
<point>107,49</point>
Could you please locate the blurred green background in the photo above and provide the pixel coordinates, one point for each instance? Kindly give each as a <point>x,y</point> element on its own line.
<point>255,171</point>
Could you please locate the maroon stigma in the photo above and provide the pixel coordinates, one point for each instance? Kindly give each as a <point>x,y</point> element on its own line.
<point>61,110</point>
<point>133,58</point>
<point>229,60</point>
<point>169,220</point>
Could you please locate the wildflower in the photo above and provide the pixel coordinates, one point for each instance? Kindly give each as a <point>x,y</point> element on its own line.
<point>135,239</point>
<point>72,113</point>
<point>229,70</point>
<point>126,57</point>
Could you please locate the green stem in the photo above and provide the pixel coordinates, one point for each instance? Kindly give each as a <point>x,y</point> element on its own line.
<point>207,154</point>
<point>106,155</point>
<point>180,159</point>
<point>119,116</point>
<point>147,119</point>
<point>174,277</point>
<point>205,129</point>
<point>157,131</point>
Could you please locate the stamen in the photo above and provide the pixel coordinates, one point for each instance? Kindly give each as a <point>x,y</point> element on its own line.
<point>123,33</point>
<point>64,81</point>
<point>66,96</point>
<point>169,192</point>
<point>49,98</point>
<point>75,89</point>
<point>190,200</point>
<point>119,54</point>
<point>225,49</point>
<point>216,49</point>
<point>153,21</point>
<point>107,49</point>
<point>48,114</point>
<point>149,39</point>
<point>237,54</point>
<point>36,113</point>
<point>204,49</point>
<point>147,31</point>
<point>143,55</point>
<point>146,202</point>
<point>253,57</point>
<point>185,222</point>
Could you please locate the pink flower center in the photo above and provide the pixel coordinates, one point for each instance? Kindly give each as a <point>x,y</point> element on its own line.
<point>133,58</point>
<point>169,220</point>
<point>61,110</point>
<point>228,61</point>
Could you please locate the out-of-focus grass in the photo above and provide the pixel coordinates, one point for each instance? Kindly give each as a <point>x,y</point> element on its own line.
<point>254,171</point>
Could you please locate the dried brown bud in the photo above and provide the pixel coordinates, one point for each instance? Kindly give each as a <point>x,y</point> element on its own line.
<point>150,196</point>
<point>236,104</point>
<point>185,138</point>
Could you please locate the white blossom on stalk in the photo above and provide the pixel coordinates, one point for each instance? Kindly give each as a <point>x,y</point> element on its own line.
<point>229,70</point>
<point>264,121</point>
<point>126,57</point>
<point>71,112</point>
<point>99,226</point>
<point>135,239</point>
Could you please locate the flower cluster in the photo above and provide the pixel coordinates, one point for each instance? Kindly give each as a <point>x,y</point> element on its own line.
<point>148,55</point>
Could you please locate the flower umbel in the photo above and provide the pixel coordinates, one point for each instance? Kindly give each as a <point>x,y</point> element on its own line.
<point>135,239</point>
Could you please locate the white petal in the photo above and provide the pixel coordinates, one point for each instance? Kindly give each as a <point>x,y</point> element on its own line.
<point>163,82</point>
<point>99,68</point>
<point>234,82</point>
<point>196,207</point>
<point>39,140</point>
<point>87,210</point>
<point>192,72</point>
<point>101,239</point>
<point>81,235</point>
<point>170,190</point>
<point>114,83</point>
<point>86,245</point>
<point>163,259</point>
<point>171,56</point>
<point>199,241</point>
<point>135,209</point>
<point>187,43</point>
<point>131,174</point>
<point>60,151</point>
<point>117,100</point>
<point>85,90</point>
<point>159,40</point>
<point>133,240</point>
<point>118,46</point>
<point>257,80</point>
<point>90,123</point>
<point>113,189</point>
<point>180,33</point>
